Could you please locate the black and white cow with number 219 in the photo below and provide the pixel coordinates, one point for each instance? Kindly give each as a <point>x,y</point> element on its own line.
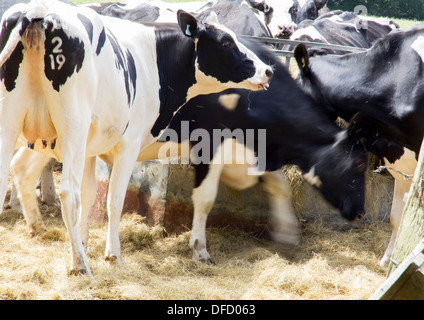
<point>75,85</point>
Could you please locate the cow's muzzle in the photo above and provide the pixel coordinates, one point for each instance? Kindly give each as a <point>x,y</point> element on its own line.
<point>264,85</point>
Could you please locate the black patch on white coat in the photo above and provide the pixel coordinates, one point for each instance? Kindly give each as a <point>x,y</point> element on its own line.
<point>201,170</point>
<point>143,12</point>
<point>9,71</point>
<point>241,19</point>
<point>64,55</point>
<point>124,61</point>
<point>87,25</point>
<point>175,60</point>
<point>101,41</point>
<point>218,48</point>
<point>8,25</point>
<point>217,54</point>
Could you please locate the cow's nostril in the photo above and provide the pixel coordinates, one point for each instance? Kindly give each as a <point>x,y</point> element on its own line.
<point>269,73</point>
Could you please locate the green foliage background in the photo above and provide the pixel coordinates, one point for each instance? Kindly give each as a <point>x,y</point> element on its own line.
<point>404,9</point>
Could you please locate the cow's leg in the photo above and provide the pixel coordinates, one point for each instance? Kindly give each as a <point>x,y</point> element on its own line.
<point>48,192</point>
<point>70,199</point>
<point>203,198</point>
<point>12,113</point>
<point>283,218</point>
<point>26,167</point>
<point>72,132</point>
<point>88,195</point>
<point>123,164</point>
<point>8,140</point>
<point>14,202</point>
<point>402,187</point>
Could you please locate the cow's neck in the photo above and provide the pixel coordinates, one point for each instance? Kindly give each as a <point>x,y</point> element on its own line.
<point>374,87</point>
<point>344,86</point>
<point>304,155</point>
<point>176,65</point>
<point>378,82</point>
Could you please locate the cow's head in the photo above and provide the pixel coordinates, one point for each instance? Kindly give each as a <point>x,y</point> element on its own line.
<point>221,59</point>
<point>310,83</point>
<point>339,173</point>
<point>279,15</point>
<point>282,16</point>
<point>309,11</point>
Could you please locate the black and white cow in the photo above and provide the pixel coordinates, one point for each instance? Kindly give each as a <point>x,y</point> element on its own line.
<point>6,4</point>
<point>49,195</point>
<point>225,134</point>
<point>311,10</point>
<point>266,18</point>
<point>282,16</point>
<point>342,28</point>
<point>239,17</point>
<point>75,85</point>
<point>149,11</point>
<point>236,15</point>
<point>382,92</point>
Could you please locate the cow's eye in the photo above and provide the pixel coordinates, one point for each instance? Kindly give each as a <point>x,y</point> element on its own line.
<point>227,44</point>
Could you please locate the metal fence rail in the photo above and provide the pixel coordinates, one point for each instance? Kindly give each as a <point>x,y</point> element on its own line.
<point>306,43</point>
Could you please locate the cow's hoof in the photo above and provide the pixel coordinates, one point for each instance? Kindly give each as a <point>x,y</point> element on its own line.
<point>202,256</point>
<point>291,239</point>
<point>200,253</point>
<point>34,229</point>
<point>207,261</point>
<point>113,260</point>
<point>78,272</point>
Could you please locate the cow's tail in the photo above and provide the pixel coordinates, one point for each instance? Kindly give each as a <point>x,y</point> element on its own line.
<point>15,25</point>
<point>13,40</point>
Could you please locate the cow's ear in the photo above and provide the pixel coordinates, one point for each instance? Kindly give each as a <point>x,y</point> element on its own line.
<point>255,4</point>
<point>320,4</point>
<point>301,56</point>
<point>211,18</point>
<point>188,23</point>
<point>259,5</point>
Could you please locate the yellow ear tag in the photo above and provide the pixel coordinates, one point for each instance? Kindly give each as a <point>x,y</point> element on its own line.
<point>303,63</point>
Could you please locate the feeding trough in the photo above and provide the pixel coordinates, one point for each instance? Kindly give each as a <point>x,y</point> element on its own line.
<point>161,192</point>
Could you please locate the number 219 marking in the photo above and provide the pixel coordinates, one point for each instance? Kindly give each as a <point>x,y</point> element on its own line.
<point>57,59</point>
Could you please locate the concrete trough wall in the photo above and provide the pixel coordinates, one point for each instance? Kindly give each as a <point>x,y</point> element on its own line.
<point>161,192</point>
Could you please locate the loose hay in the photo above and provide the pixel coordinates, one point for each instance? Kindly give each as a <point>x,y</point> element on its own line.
<point>376,186</point>
<point>328,265</point>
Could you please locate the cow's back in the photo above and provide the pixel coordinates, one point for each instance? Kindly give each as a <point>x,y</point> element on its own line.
<point>69,59</point>
<point>6,4</point>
